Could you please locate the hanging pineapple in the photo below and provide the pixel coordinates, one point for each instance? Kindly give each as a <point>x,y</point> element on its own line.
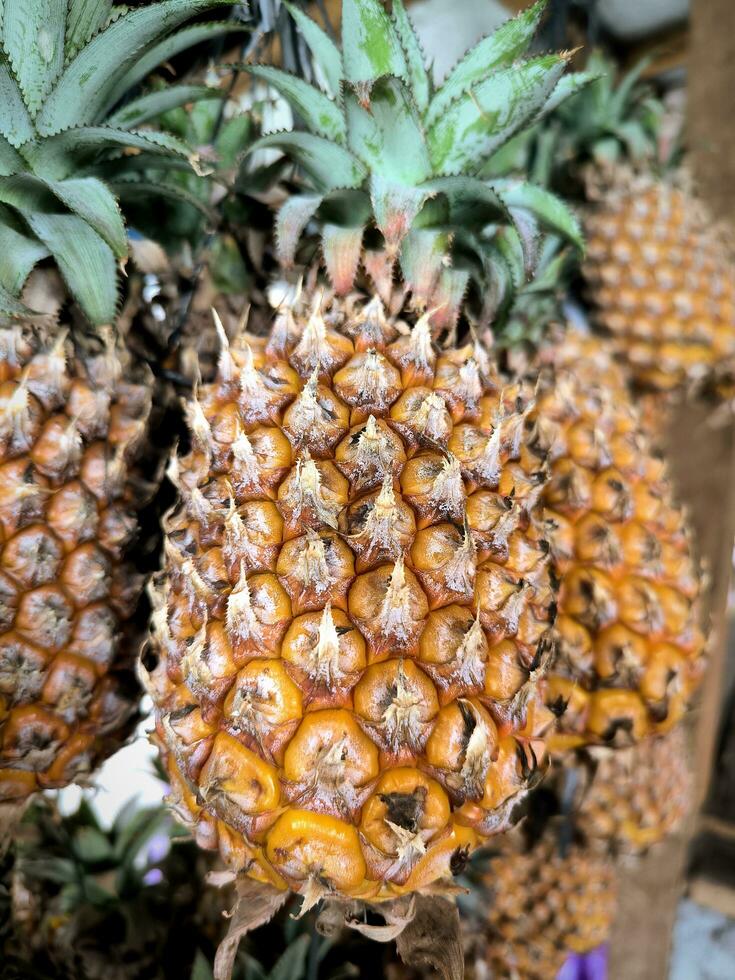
<point>73,408</point>
<point>543,895</point>
<point>630,650</point>
<point>660,272</point>
<point>354,610</point>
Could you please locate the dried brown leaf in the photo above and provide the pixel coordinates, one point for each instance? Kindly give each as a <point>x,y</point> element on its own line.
<point>255,904</point>
<point>431,938</point>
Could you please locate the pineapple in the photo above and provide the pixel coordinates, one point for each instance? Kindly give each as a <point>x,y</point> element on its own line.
<point>72,422</point>
<point>354,609</point>
<point>639,795</point>
<point>73,407</point>
<point>660,273</point>
<point>548,896</point>
<point>630,651</point>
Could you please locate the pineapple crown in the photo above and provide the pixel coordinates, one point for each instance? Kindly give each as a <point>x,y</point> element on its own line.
<point>608,123</point>
<point>382,147</point>
<point>65,70</point>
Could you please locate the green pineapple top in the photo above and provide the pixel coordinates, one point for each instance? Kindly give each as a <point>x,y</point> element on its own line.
<point>65,69</point>
<point>382,149</point>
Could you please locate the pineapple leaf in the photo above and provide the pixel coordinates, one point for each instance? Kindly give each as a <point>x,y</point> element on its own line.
<point>319,112</point>
<point>388,137</point>
<point>395,207</point>
<point>370,45</point>
<point>625,90</point>
<point>447,297</point>
<point>15,123</point>
<point>422,255</point>
<point>57,156</point>
<point>499,50</point>
<point>550,211</point>
<point>330,166</point>
<point>471,201</point>
<point>92,200</point>
<point>152,104</point>
<point>11,162</point>
<point>341,247</point>
<point>33,39</point>
<point>201,970</point>
<point>417,73</point>
<point>84,19</point>
<point>568,86</point>
<point>490,113</point>
<point>85,261</point>
<point>19,252</point>
<point>292,218</point>
<point>323,49</point>
<point>162,52</point>
<point>10,306</point>
<point>131,188</point>
<point>95,74</point>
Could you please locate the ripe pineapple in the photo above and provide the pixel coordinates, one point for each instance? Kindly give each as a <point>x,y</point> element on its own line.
<point>356,598</point>
<point>548,896</point>
<point>638,796</point>
<point>72,422</point>
<point>659,271</point>
<point>629,644</point>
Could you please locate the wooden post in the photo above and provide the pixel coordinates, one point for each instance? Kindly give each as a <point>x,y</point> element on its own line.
<point>703,464</point>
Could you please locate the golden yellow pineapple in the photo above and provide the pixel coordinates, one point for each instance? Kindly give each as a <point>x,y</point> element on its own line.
<point>547,898</point>
<point>356,597</point>
<point>638,796</point>
<point>72,422</point>
<point>629,644</point>
<point>660,272</point>
<point>355,605</point>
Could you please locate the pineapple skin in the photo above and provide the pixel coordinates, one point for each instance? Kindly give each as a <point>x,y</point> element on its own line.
<point>630,650</point>
<point>354,610</point>
<point>545,902</point>
<point>71,426</point>
<point>661,280</point>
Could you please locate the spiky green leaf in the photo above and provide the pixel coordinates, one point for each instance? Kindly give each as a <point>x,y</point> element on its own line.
<point>86,84</point>
<point>19,252</point>
<point>549,210</point>
<point>330,166</point>
<point>15,123</point>
<point>418,76</point>
<point>422,255</point>
<point>33,39</point>
<point>92,200</point>
<point>320,113</point>
<point>490,113</point>
<point>201,970</point>
<point>499,50</point>
<point>396,206</point>
<point>85,261</point>
<point>323,49</point>
<point>471,202</point>
<point>58,156</point>
<point>132,189</point>
<point>11,162</point>
<point>293,216</point>
<point>370,45</point>
<point>291,964</point>
<point>568,86</point>
<point>388,137</point>
<point>153,104</point>
<point>84,19</point>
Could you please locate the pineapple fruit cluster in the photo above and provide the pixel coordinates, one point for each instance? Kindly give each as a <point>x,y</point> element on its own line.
<point>72,424</point>
<point>355,606</point>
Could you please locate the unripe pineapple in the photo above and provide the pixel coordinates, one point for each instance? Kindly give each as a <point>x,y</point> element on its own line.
<point>72,423</point>
<point>356,598</point>
<point>629,644</point>
<point>660,273</point>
